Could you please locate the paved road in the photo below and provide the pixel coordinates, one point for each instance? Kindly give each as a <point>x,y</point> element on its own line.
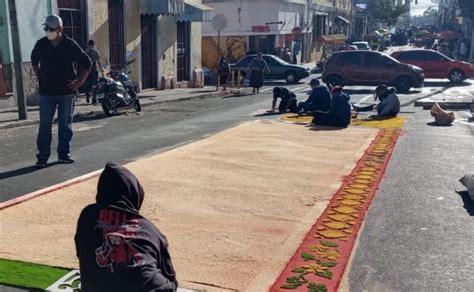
<point>127,137</point>
<point>419,231</point>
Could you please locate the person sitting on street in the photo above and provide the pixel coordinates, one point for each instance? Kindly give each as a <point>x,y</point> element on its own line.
<point>288,100</point>
<point>118,248</point>
<point>339,115</point>
<point>389,105</point>
<point>318,100</point>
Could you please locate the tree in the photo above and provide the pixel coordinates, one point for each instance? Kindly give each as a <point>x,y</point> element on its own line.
<point>386,10</point>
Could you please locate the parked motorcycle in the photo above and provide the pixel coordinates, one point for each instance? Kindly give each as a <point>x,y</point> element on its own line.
<point>117,91</point>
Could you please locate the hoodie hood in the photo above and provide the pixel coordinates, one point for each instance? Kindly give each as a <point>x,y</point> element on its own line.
<point>119,188</point>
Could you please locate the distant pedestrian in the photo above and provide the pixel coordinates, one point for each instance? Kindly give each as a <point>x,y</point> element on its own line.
<point>286,56</point>
<point>119,250</point>
<point>54,59</point>
<point>257,69</point>
<point>288,100</point>
<point>223,70</point>
<point>93,76</point>
<point>389,105</point>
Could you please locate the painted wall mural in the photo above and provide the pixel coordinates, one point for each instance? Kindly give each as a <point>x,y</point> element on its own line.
<point>234,47</point>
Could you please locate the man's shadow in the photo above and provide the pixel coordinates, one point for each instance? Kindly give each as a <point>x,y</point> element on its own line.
<point>468,202</point>
<point>23,170</point>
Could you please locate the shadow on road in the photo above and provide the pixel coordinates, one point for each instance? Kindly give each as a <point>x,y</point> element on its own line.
<point>468,203</point>
<point>23,171</point>
<point>445,84</point>
<point>434,124</point>
<point>324,128</point>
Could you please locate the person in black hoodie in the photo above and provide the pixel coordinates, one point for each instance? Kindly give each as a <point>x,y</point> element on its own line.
<point>339,115</point>
<point>119,249</point>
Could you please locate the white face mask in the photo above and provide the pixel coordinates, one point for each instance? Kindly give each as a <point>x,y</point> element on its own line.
<point>51,35</point>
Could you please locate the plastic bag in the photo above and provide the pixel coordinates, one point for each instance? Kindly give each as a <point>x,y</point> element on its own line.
<point>442,117</point>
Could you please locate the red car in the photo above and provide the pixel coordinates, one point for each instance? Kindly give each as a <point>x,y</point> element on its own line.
<point>436,65</point>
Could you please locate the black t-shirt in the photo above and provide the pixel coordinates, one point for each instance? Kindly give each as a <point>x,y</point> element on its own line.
<point>58,64</point>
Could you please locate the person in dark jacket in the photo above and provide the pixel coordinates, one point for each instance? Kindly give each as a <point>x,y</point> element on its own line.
<point>339,114</point>
<point>389,105</point>
<point>288,100</point>
<point>119,249</point>
<point>318,100</point>
<point>54,60</point>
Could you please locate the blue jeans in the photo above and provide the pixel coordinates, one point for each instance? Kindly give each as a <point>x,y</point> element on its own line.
<point>48,105</point>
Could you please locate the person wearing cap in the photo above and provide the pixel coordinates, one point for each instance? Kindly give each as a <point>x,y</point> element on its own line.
<point>55,58</point>
<point>319,98</point>
<point>288,100</point>
<point>339,114</point>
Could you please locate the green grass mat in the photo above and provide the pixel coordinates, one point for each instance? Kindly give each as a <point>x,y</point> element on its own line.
<point>29,275</point>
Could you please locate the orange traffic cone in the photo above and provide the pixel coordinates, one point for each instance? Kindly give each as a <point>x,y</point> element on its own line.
<point>3,87</point>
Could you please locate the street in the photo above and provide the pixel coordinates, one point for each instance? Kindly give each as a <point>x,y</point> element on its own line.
<point>126,137</point>
<point>399,232</point>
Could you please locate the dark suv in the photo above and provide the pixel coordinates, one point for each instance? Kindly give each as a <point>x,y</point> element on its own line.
<point>371,68</point>
<point>279,69</point>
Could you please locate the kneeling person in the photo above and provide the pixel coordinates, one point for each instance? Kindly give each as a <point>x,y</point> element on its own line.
<point>287,103</point>
<point>339,115</point>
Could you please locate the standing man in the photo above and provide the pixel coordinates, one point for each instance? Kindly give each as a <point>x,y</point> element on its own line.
<point>61,67</point>
<point>93,76</point>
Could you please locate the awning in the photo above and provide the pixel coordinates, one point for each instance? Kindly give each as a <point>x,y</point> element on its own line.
<point>323,8</point>
<point>162,7</point>
<point>317,13</point>
<point>332,38</point>
<point>342,19</point>
<point>196,12</point>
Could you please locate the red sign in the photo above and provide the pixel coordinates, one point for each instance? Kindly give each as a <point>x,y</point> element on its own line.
<point>260,28</point>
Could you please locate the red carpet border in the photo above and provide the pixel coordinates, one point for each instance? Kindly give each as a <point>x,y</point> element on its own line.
<point>319,263</point>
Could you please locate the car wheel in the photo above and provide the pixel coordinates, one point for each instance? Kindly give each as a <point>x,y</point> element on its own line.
<point>456,76</point>
<point>403,84</point>
<point>334,80</point>
<point>291,77</point>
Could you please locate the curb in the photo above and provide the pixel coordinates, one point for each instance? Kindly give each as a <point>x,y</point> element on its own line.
<point>35,194</point>
<point>95,112</point>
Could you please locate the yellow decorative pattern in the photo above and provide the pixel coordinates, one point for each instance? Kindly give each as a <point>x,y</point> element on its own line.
<point>341,221</point>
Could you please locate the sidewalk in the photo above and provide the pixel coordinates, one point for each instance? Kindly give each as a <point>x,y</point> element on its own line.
<point>9,116</point>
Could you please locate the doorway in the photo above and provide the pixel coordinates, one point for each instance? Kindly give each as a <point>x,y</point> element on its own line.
<point>116,35</point>
<point>183,50</point>
<point>149,51</point>
<point>73,14</point>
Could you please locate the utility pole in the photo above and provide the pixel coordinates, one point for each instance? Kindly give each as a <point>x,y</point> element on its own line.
<point>351,26</point>
<point>18,63</point>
